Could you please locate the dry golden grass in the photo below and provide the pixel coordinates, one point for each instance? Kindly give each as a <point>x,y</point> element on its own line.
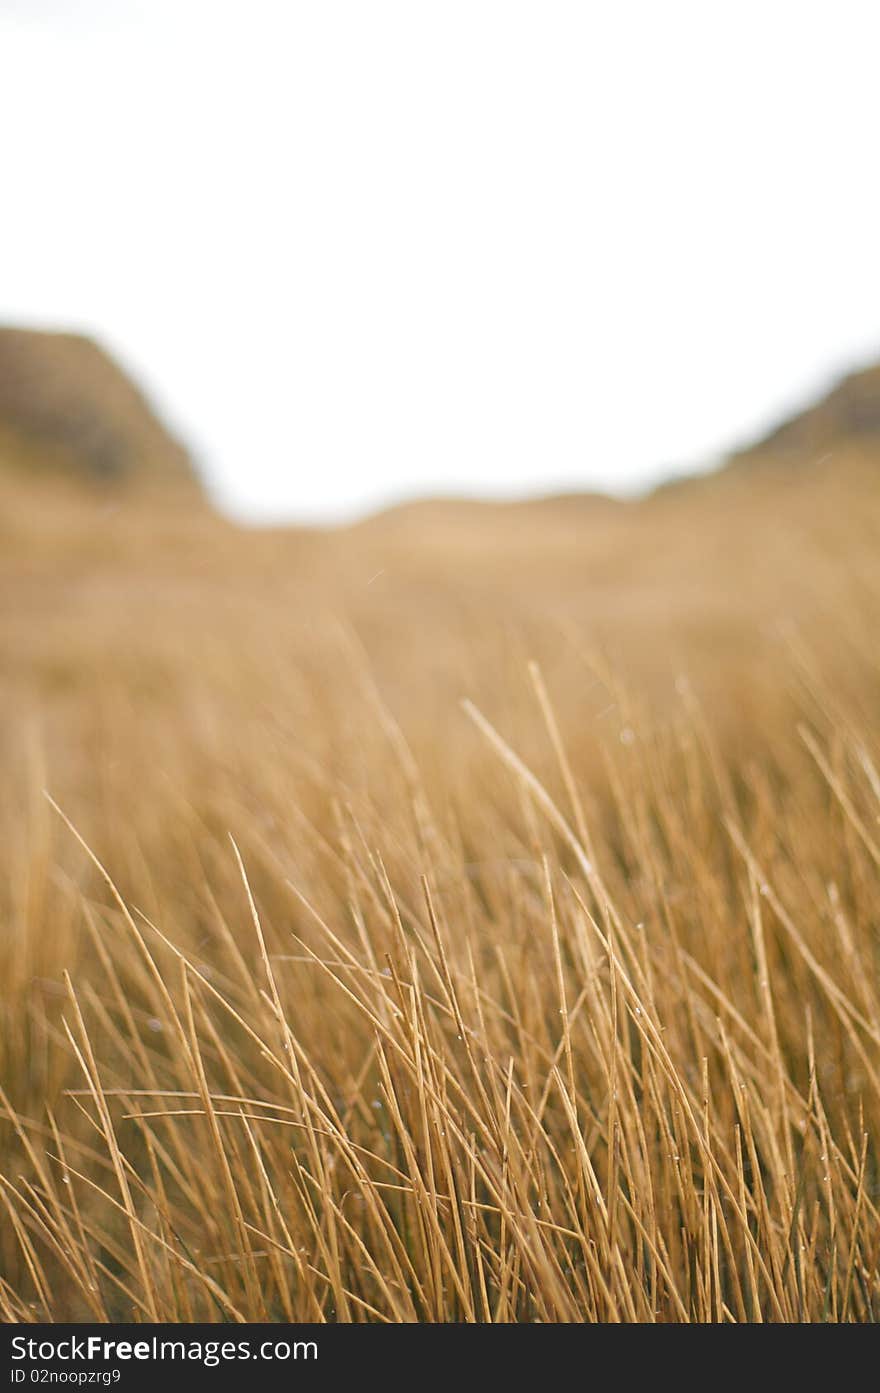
<point>468,916</point>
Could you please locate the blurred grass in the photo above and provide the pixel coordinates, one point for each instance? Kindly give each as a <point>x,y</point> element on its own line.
<point>560,1006</point>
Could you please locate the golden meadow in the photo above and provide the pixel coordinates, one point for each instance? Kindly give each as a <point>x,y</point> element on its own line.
<point>471,915</point>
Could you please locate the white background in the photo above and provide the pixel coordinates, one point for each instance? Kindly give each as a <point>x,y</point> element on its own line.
<point>361,250</point>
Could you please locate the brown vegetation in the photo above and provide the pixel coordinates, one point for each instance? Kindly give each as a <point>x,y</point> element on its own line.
<point>329,997</point>
<point>68,408</point>
<point>848,415</point>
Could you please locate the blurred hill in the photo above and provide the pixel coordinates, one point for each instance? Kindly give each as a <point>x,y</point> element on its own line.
<point>849,415</point>
<point>69,412</point>
<point>66,407</point>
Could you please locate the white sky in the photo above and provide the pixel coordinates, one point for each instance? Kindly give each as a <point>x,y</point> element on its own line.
<point>361,250</point>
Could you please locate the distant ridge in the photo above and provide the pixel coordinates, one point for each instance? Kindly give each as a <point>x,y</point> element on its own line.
<point>848,415</point>
<point>451,510</point>
<point>66,406</point>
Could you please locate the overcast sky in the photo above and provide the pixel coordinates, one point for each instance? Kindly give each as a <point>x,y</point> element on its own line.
<point>361,250</point>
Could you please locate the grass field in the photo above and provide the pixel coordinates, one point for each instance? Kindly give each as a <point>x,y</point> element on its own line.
<point>472,915</point>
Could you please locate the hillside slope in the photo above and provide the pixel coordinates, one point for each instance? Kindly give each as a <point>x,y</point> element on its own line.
<point>847,416</point>
<point>66,406</point>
